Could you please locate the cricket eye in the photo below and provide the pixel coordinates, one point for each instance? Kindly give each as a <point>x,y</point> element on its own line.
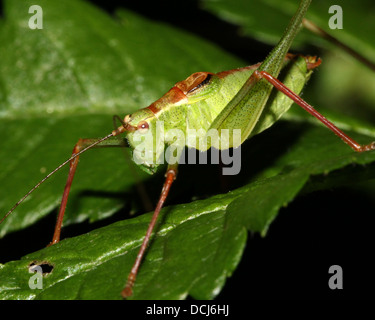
<point>142,127</point>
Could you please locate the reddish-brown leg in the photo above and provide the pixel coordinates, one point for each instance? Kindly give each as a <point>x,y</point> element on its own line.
<point>146,201</point>
<point>94,143</point>
<point>170,177</point>
<point>281,87</point>
<point>81,146</point>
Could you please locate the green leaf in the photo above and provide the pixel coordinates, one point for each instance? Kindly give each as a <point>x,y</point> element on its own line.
<point>212,232</point>
<point>82,272</point>
<point>64,82</point>
<point>355,20</point>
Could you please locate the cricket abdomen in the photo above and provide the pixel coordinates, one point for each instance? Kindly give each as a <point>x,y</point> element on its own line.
<point>200,115</point>
<point>192,105</point>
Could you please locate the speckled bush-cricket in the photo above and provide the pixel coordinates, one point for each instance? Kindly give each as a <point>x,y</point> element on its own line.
<point>230,100</point>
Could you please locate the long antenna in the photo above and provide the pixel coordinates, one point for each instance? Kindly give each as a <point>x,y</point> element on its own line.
<point>320,32</point>
<point>55,170</point>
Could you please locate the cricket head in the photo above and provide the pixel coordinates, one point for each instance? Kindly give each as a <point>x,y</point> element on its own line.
<point>151,129</point>
<point>144,138</point>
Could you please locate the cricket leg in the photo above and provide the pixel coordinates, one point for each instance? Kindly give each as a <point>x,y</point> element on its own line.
<point>141,189</point>
<point>281,87</point>
<point>170,176</point>
<point>78,148</point>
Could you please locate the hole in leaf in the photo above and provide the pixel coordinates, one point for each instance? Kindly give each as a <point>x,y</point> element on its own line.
<point>44,267</point>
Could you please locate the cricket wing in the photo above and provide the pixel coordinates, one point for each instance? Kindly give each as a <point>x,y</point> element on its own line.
<point>254,108</point>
